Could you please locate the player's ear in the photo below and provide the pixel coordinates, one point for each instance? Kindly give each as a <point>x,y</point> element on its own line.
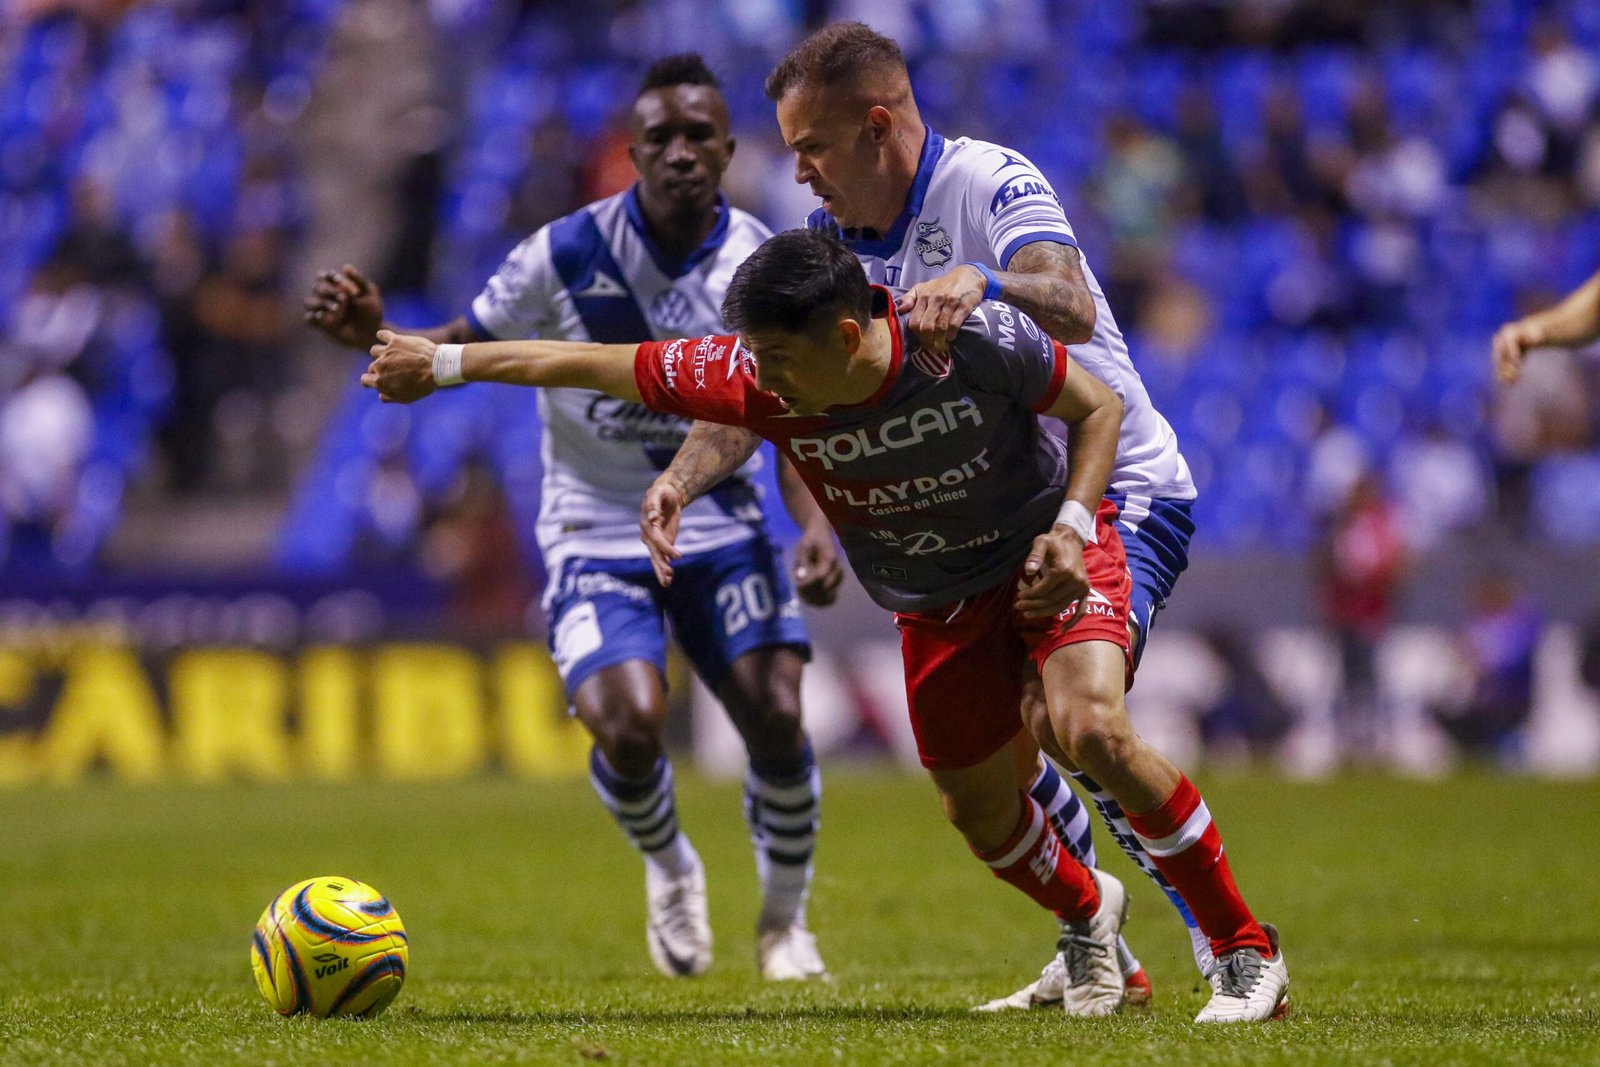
<point>850,331</point>
<point>880,123</point>
<point>633,154</point>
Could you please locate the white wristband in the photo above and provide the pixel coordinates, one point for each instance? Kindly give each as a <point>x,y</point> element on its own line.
<point>1075,516</point>
<point>447,365</point>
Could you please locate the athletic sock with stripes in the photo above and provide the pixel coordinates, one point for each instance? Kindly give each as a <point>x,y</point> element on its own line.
<point>647,810</point>
<point>1033,860</point>
<point>1185,845</point>
<point>782,804</point>
<point>1072,825</point>
<point>1111,812</point>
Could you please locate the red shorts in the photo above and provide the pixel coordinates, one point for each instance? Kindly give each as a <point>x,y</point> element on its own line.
<point>966,664</point>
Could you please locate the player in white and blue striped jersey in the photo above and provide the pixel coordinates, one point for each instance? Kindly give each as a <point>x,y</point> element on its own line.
<point>654,263</point>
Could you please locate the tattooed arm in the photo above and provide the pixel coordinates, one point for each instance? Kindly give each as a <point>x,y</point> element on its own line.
<point>1044,279</point>
<point>710,454</point>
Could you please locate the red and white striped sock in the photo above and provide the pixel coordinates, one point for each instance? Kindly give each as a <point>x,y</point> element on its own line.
<point>1033,860</point>
<point>1186,846</point>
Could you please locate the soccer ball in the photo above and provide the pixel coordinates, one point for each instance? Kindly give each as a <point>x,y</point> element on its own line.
<point>329,946</point>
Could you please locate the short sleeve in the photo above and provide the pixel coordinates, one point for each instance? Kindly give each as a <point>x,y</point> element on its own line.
<point>706,378</point>
<point>1014,205</point>
<point>1003,351</point>
<point>518,301</point>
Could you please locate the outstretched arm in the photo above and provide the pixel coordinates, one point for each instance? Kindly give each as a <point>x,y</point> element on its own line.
<point>407,367</point>
<point>1573,322</point>
<point>1054,573</point>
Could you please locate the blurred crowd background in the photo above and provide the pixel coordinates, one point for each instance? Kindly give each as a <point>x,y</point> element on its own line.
<point>1309,218</point>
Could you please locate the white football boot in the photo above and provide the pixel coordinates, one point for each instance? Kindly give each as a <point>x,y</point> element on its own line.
<point>1247,987</point>
<point>1088,949</point>
<point>677,928</point>
<point>1045,990</point>
<point>789,954</point>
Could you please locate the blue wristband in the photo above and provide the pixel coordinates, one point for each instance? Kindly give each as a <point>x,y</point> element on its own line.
<point>991,281</point>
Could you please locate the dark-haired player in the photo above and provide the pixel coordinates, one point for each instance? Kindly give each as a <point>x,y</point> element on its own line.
<point>954,222</point>
<point>983,534</point>
<point>654,262</point>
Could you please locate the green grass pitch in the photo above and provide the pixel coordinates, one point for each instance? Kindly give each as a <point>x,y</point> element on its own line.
<point>1425,923</point>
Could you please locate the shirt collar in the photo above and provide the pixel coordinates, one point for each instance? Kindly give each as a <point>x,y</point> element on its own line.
<point>671,268</point>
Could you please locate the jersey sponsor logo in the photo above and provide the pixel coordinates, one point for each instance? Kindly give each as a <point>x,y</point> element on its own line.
<point>933,245</point>
<point>902,431</point>
<point>671,311</point>
<point>708,351</point>
<point>625,421</point>
<point>929,542</point>
<point>603,285</point>
<point>1020,188</point>
<point>1093,604</point>
<point>933,364</point>
<point>912,494</point>
<point>1005,326</point>
<point>671,356</point>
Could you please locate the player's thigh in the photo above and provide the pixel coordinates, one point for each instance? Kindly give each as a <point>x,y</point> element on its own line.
<point>964,672</point>
<point>608,640</point>
<point>1155,536</point>
<point>623,707</point>
<point>730,602</point>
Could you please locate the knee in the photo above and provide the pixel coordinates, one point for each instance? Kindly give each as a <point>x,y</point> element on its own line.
<point>985,819</point>
<point>629,736</point>
<point>1097,735</point>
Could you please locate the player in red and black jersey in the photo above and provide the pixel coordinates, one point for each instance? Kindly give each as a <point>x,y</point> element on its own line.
<point>985,536</point>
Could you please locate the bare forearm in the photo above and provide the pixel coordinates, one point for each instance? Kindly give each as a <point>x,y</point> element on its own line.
<point>709,455</point>
<point>553,364</point>
<point>797,499</point>
<point>1046,280</point>
<point>1092,455</point>
<point>1575,321</point>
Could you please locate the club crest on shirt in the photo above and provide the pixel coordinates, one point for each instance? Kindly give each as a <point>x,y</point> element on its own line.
<point>670,310</point>
<point>933,245</point>
<point>933,364</point>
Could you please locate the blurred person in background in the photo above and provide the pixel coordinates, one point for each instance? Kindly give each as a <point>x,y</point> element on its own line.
<point>472,546</point>
<point>1247,717</point>
<point>242,321</point>
<point>1498,645</point>
<point>654,262</point>
<point>46,428</point>
<point>1361,562</point>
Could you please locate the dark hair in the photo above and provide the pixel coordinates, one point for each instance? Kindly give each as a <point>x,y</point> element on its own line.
<point>795,282</point>
<point>833,56</point>
<point>685,68</point>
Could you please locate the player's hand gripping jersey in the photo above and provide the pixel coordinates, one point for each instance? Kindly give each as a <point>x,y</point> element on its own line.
<point>938,484</point>
<point>973,201</point>
<point>595,275</point>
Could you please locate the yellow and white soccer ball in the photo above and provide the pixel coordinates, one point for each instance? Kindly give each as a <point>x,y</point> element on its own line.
<point>329,946</point>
